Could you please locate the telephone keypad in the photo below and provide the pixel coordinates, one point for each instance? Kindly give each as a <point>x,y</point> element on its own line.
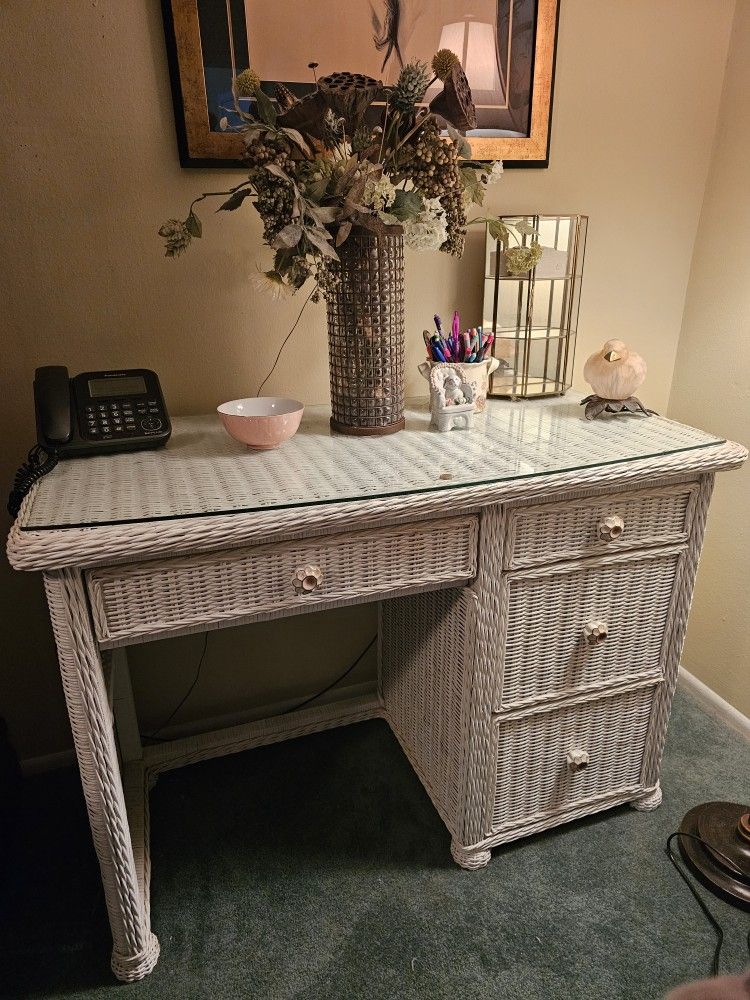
<point>122,418</point>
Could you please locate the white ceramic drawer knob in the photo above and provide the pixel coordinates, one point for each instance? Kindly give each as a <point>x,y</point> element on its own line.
<point>595,632</point>
<point>610,528</point>
<point>307,578</point>
<point>577,759</point>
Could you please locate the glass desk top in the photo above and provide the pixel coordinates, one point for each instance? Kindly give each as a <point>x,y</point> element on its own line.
<point>203,471</point>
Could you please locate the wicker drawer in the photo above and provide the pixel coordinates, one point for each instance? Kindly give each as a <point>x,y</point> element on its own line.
<point>573,627</point>
<point>178,595</point>
<point>572,759</point>
<point>570,529</point>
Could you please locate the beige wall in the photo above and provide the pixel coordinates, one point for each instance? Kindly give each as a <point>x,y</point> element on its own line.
<point>89,170</point>
<point>711,386</point>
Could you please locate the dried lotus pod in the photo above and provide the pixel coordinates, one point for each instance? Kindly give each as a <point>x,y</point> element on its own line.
<point>284,98</point>
<point>344,81</point>
<point>349,95</point>
<point>454,102</point>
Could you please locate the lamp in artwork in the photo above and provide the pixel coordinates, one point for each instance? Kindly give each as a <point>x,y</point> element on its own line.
<point>474,42</point>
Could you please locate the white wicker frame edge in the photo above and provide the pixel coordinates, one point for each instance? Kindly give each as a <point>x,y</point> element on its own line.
<point>110,544</point>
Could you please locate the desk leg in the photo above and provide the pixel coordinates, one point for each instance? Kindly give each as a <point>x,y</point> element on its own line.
<point>135,948</point>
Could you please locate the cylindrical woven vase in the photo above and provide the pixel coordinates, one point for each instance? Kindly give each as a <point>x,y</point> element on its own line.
<point>366,335</point>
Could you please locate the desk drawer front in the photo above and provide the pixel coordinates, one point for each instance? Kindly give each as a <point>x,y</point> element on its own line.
<point>544,533</point>
<point>588,625</point>
<point>570,758</point>
<point>158,598</point>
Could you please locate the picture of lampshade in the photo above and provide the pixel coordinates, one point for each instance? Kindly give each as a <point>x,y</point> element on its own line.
<point>474,42</point>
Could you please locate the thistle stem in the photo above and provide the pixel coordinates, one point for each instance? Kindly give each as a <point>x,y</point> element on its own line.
<point>384,126</point>
<point>218,194</point>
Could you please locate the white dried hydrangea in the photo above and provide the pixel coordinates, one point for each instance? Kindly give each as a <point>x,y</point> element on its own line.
<point>495,173</point>
<point>271,283</point>
<point>429,230</point>
<point>379,194</point>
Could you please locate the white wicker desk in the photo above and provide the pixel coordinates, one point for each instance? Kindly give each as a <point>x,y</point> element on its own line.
<point>534,580</point>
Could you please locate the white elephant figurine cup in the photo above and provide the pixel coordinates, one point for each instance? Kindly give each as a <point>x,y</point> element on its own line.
<point>451,399</point>
<point>475,373</point>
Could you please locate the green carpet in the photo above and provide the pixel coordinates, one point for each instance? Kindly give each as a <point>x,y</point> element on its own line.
<point>319,869</point>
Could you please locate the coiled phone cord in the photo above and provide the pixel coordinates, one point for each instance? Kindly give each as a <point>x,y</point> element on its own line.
<point>38,463</point>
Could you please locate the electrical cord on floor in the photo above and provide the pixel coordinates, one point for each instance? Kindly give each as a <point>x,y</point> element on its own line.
<point>154,736</point>
<point>707,913</point>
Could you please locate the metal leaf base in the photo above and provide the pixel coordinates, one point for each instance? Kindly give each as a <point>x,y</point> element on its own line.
<point>596,406</point>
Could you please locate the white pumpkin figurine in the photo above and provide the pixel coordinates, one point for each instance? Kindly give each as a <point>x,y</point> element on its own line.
<point>614,373</point>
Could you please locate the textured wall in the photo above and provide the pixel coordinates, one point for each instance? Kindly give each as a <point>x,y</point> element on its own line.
<point>711,386</point>
<point>89,169</point>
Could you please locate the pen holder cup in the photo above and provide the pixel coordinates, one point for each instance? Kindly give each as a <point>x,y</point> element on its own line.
<point>476,373</point>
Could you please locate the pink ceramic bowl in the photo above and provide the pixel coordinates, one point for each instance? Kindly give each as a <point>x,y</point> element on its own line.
<point>261,422</point>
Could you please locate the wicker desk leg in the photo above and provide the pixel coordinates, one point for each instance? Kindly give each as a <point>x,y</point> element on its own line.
<point>648,803</point>
<point>470,858</point>
<point>135,948</point>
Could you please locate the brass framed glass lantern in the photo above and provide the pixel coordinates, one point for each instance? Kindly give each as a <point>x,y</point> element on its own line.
<point>534,316</point>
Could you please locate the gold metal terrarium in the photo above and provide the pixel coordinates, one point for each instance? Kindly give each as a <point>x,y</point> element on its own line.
<point>534,316</point>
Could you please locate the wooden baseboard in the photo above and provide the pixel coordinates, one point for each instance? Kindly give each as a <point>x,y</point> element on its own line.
<point>714,704</point>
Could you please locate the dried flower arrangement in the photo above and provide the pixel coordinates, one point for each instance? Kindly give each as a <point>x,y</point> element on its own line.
<point>355,153</point>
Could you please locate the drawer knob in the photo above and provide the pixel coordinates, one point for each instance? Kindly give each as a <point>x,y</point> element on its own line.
<point>307,578</point>
<point>577,760</point>
<point>610,528</point>
<point>595,632</point>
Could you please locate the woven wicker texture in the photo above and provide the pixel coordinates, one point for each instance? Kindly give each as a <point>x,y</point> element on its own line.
<point>642,487</point>
<point>135,949</point>
<point>578,527</point>
<point>673,652</point>
<point>426,648</point>
<point>366,332</point>
<point>177,594</point>
<point>547,654</point>
<point>204,471</point>
<point>534,778</point>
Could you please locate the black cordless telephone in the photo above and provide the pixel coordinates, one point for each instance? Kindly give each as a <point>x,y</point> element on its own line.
<point>99,412</point>
<point>94,413</point>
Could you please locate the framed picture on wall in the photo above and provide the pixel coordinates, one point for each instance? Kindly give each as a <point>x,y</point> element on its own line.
<point>507,48</point>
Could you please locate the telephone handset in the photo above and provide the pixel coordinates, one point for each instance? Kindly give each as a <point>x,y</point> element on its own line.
<point>52,405</point>
<point>93,413</point>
